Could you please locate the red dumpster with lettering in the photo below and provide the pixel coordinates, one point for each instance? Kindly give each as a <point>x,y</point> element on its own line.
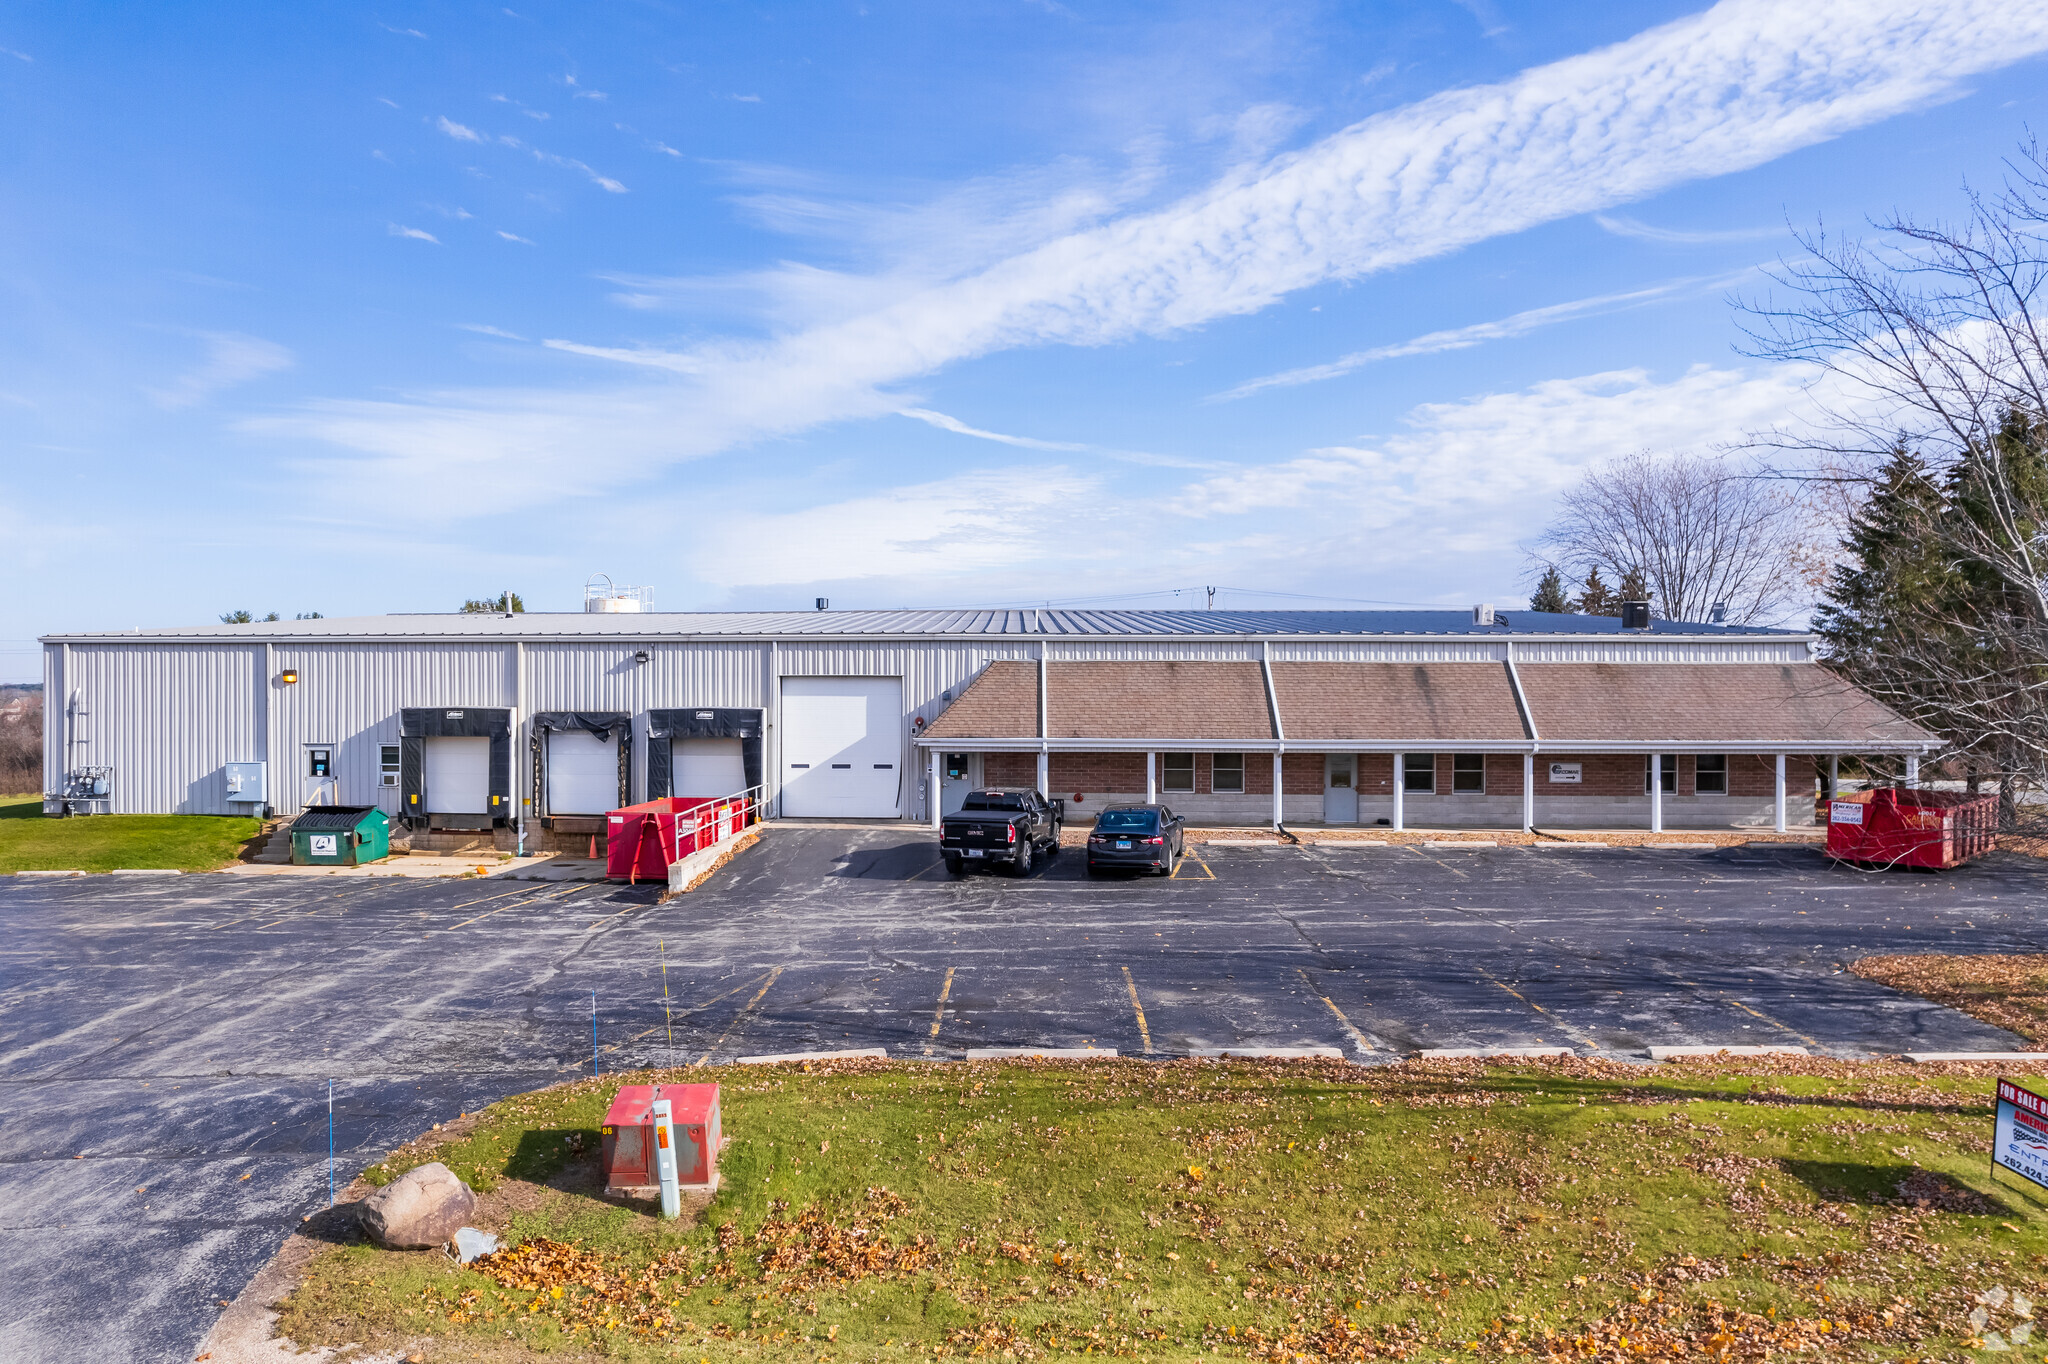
<point>642,840</point>
<point>626,1146</point>
<point>1894,826</point>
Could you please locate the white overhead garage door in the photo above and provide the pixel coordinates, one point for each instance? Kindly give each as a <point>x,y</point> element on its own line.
<point>583,773</point>
<point>707,767</point>
<point>458,773</point>
<point>842,747</point>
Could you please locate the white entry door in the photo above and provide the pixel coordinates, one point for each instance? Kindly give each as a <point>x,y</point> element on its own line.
<point>1340,789</point>
<point>842,747</point>
<point>707,767</point>
<point>583,773</point>
<point>956,779</point>
<point>458,774</point>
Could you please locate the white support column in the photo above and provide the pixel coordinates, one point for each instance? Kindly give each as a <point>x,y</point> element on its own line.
<point>935,756</point>
<point>1656,793</point>
<point>1528,792</point>
<point>1834,775</point>
<point>1044,774</point>
<point>1278,788</point>
<point>1778,799</point>
<point>1912,770</point>
<point>1400,785</point>
<point>1151,778</point>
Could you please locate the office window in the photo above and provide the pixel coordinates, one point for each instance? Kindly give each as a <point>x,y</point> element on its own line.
<point>387,764</point>
<point>1669,762</point>
<point>1418,776</point>
<point>1468,773</point>
<point>1177,772</point>
<point>1710,774</point>
<point>1226,772</point>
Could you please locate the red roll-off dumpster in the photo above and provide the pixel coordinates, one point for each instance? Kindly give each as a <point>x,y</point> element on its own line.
<point>642,840</point>
<point>626,1146</point>
<point>1897,826</point>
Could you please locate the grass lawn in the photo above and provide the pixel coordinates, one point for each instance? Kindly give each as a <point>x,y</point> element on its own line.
<point>30,842</point>
<point>1281,1212</point>
<point>2006,991</point>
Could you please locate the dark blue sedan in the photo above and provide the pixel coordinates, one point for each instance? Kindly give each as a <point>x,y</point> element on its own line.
<point>1137,838</point>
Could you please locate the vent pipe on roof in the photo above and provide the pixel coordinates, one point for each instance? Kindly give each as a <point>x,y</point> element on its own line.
<point>824,603</point>
<point>1718,613</point>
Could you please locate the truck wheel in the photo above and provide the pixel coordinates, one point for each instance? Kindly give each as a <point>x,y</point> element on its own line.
<point>1022,866</point>
<point>954,863</point>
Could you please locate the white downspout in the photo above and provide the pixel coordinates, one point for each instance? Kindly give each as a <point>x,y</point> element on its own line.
<point>1279,730</point>
<point>1044,733</point>
<point>1528,793</point>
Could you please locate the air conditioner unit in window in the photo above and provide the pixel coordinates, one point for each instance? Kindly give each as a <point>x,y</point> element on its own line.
<point>390,779</point>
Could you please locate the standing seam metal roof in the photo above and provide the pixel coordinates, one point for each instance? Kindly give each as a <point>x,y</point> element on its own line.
<point>1052,623</point>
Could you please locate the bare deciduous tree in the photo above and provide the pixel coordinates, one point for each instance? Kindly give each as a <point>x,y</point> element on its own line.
<point>1695,531</point>
<point>21,742</point>
<point>1930,341</point>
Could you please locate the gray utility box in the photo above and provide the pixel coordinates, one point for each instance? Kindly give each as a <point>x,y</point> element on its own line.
<point>248,784</point>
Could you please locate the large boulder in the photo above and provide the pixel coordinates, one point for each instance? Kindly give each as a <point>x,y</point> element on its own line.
<point>419,1209</point>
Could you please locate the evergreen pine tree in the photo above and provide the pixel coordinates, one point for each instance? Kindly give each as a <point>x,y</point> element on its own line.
<point>1892,581</point>
<point>1598,599</point>
<point>1550,594</point>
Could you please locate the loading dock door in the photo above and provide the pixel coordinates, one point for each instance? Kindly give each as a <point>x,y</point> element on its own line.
<point>458,776</point>
<point>842,747</point>
<point>583,773</point>
<point>708,767</point>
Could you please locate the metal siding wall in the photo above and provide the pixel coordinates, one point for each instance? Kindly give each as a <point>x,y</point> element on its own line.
<point>167,718</point>
<point>583,677</point>
<point>708,675</point>
<point>349,695</point>
<point>54,687</point>
<point>1392,651</point>
<point>1653,651</point>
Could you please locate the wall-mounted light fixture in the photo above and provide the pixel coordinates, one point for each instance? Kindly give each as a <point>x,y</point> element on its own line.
<point>640,656</point>
<point>288,676</point>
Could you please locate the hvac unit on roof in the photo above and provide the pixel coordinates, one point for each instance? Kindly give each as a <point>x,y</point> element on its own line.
<point>611,599</point>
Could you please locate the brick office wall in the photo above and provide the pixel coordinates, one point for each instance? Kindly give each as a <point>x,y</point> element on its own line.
<point>1009,769</point>
<point>1301,774</point>
<point>1623,774</point>
<point>1094,773</point>
<point>1755,774</point>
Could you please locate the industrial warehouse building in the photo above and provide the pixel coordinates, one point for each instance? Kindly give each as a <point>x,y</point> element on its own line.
<point>536,724</point>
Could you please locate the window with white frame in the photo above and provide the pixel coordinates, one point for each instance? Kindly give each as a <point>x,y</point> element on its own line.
<point>1468,774</point>
<point>1418,773</point>
<point>1710,774</point>
<point>1177,772</point>
<point>1226,772</point>
<point>387,764</point>
<point>1668,762</point>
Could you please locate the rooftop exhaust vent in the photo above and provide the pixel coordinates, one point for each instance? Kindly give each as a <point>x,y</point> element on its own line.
<point>602,597</point>
<point>1482,614</point>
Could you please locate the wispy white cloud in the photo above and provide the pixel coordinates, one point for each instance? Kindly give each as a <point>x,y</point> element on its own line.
<point>381,99</point>
<point>485,329</point>
<point>591,94</point>
<point>456,130</point>
<point>417,234</point>
<point>746,99</point>
<point>604,182</point>
<point>1479,333</point>
<point>231,358</point>
<point>401,32</point>
<point>18,56</point>
<point>960,428</point>
<point>1711,93</point>
<point>1629,227</point>
<point>515,237</point>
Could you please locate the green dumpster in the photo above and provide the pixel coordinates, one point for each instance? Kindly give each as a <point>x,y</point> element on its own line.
<point>340,836</point>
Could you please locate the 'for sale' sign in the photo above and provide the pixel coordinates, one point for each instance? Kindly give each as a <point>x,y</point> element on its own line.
<point>2020,1140</point>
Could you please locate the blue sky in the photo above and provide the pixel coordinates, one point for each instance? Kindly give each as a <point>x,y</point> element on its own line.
<point>367,309</point>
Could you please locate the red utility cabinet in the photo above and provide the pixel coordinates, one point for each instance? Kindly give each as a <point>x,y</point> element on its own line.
<point>1911,827</point>
<point>626,1150</point>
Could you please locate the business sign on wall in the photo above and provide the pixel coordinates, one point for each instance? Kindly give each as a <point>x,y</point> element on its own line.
<point>2019,1140</point>
<point>1567,773</point>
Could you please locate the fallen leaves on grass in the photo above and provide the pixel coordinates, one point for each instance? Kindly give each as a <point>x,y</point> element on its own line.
<point>582,1290</point>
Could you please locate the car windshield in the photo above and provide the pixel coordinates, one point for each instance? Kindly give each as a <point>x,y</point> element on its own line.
<point>1143,821</point>
<point>992,800</point>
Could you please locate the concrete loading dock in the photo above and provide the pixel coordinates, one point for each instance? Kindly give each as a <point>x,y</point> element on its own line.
<point>1233,717</point>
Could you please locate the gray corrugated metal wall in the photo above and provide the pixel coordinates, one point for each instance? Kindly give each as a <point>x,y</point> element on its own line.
<point>167,718</point>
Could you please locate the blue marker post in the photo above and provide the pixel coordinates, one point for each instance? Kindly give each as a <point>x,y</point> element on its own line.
<point>330,1143</point>
<point>593,1034</point>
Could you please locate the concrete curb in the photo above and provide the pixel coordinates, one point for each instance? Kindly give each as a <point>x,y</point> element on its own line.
<point>1050,1053</point>
<point>1463,843</point>
<point>855,1054</point>
<point>1268,1053</point>
<point>1480,1053</point>
<point>2035,1056</point>
<point>49,873</point>
<point>145,871</point>
<point>1575,843</point>
<point>1677,1053</point>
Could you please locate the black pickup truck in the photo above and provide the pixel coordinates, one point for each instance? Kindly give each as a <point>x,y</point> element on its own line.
<point>1011,827</point>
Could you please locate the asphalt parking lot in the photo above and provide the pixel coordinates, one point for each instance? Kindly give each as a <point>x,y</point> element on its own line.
<point>179,1034</point>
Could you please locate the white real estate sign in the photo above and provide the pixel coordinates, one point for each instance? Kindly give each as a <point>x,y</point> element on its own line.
<point>842,747</point>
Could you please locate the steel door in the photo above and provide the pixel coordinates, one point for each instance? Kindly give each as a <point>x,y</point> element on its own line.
<point>583,773</point>
<point>1340,788</point>
<point>707,767</point>
<point>842,747</point>
<point>956,779</point>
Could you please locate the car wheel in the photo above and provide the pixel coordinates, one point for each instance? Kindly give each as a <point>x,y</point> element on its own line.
<point>955,864</point>
<point>1094,870</point>
<point>1022,866</point>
